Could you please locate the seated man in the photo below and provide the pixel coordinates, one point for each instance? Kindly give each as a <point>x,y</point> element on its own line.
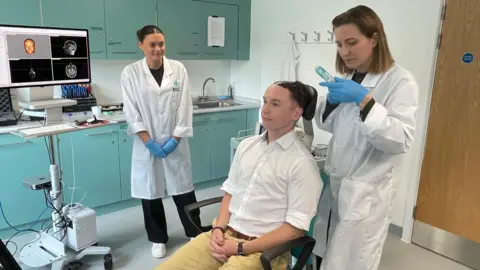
<point>271,193</point>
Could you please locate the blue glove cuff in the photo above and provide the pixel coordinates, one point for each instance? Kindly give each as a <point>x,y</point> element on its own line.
<point>360,97</point>
<point>170,145</point>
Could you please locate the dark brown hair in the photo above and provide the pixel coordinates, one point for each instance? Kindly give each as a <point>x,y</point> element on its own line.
<point>147,30</point>
<point>369,24</point>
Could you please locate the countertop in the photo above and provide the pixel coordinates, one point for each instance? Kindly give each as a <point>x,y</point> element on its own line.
<point>119,117</point>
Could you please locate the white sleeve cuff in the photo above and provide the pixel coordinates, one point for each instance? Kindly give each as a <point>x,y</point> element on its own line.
<point>134,128</point>
<point>374,119</point>
<point>228,187</point>
<point>183,132</point>
<point>298,220</point>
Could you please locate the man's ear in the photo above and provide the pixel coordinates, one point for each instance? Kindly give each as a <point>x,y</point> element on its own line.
<point>298,113</point>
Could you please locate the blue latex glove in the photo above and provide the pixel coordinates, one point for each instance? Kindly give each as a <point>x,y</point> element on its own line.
<point>155,148</point>
<point>331,99</point>
<point>345,90</point>
<point>170,146</point>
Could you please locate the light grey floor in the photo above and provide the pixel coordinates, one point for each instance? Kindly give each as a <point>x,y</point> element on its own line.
<point>132,250</point>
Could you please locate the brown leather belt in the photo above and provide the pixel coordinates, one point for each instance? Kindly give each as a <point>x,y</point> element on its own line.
<point>240,235</point>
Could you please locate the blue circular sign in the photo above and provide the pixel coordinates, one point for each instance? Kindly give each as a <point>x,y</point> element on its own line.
<point>467,58</point>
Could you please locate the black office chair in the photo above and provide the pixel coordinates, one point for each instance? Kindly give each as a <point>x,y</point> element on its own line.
<point>7,261</point>
<point>306,243</point>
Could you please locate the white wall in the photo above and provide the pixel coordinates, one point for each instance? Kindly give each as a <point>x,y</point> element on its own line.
<point>106,78</point>
<point>411,27</point>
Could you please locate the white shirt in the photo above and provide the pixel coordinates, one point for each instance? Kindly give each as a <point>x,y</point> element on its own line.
<point>272,184</point>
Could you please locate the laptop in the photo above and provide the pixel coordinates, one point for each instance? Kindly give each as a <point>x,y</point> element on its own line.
<point>7,115</point>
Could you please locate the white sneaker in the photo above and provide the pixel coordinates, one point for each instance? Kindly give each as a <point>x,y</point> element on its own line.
<point>159,250</point>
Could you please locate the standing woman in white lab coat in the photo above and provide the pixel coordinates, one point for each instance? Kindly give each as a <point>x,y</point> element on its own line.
<point>371,113</point>
<point>158,110</point>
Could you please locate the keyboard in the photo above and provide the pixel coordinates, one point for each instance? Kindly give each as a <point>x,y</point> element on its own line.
<point>46,130</point>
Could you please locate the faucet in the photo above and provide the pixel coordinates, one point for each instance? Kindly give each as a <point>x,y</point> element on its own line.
<point>203,97</point>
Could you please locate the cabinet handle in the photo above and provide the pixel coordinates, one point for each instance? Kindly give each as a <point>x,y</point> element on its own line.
<point>96,51</point>
<point>200,122</point>
<point>101,133</point>
<point>123,52</point>
<point>224,119</point>
<point>114,42</point>
<point>187,53</point>
<point>17,143</point>
<point>98,28</point>
<point>214,53</point>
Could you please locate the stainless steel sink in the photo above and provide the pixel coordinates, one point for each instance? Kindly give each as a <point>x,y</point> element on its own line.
<point>213,104</point>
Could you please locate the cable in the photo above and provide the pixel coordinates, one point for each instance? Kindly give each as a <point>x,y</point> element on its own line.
<point>74,178</point>
<point>17,230</point>
<point>63,224</point>
<point>17,233</point>
<point>48,150</point>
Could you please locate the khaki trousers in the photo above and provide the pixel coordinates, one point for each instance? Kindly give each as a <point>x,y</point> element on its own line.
<point>196,255</point>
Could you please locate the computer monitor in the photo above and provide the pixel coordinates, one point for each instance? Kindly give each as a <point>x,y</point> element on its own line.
<point>43,56</point>
<point>35,59</point>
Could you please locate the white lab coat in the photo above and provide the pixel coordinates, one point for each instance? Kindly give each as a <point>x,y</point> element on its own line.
<point>163,112</point>
<point>360,162</point>
<point>289,64</point>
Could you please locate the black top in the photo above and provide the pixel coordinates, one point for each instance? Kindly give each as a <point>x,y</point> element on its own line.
<point>158,74</point>
<point>329,108</point>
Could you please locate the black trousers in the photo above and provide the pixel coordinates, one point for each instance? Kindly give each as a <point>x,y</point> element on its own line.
<point>156,222</point>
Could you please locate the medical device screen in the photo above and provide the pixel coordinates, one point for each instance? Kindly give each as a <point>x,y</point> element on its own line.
<point>37,56</point>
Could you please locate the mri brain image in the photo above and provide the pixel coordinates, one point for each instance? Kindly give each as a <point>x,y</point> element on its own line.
<point>29,45</point>
<point>70,47</point>
<point>32,74</point>
<point>71,71</point>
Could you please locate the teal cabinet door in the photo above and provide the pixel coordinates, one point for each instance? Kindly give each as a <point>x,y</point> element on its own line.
<point>94,155</point>
<point>20,12</point>
<point>88,14</point>
<point>252,119</point>
<point>178,19</point>
<point>230,13</point>
<point>225,126</point>
<point>200,148</point>
<point>21,160</point>
<point>125,148</point>
<point>123,18</point>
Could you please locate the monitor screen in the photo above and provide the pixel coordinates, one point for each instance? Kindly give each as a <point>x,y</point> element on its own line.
<point>40,56</point>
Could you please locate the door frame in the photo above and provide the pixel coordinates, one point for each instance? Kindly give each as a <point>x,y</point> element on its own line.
<point>412,192</point>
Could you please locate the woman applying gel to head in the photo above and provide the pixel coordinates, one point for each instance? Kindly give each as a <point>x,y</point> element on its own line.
<point>158,110</point>
<point>371,113</point>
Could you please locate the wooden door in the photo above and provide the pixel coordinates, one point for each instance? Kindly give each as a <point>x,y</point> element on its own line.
<point>449,191</point>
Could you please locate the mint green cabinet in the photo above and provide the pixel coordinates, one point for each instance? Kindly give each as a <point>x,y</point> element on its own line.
<point>20,12</point>
<point>178,19</point>
<point>91,164</point>
<point>252,118</point>
<point>125,148</point>
<point>225,125</point>
<point>200,148</point>
<point>88,14</point>
<point>210,144</point>
<point>123,18</point>
<point>21,160</point>
<point>230,13</point>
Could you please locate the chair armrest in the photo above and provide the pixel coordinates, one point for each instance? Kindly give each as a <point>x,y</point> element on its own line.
<point>189,208</point>
<point>306,242</point>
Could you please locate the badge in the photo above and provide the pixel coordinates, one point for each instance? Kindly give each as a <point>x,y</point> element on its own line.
<point>176,86</point>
